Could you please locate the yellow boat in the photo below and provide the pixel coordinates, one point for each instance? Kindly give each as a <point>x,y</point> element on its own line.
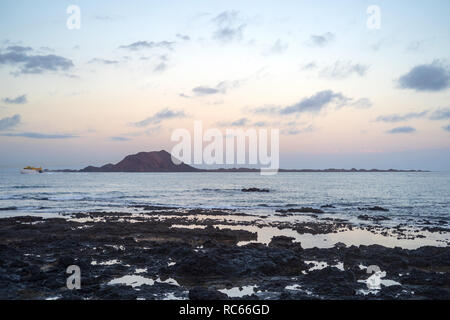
<point>31,170</point>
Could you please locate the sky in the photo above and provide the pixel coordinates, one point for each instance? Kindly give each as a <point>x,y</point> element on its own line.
<point>347,87</point>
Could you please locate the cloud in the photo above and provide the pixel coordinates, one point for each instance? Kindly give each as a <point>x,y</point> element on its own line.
<point>160,63</point>
<point>321,40</point>
<point>183,37</point>
<point>363,103</point>
<point>18,100</point>
<point>267,109</point>
<point>160,67</point>
<point>341,70</point>
<point>401,130</point>
<point>415,46</point>
<point>228,34</point>
<point>9,123</point>
<point>309,66</point>
<point>103,61</point>
<point>164,114</point>
<point>226,17</point>
<point>446,128</point>
<point>295,131</point>
<point>118,138</point>
<point>384,42</point>
<point>228,26</point>
<point>245,122</point>
<point>221,87</point>
<point>441,114</point>
<point>314,103</point>
<point>46,49</point>
<point>261,124</point>
<point>205,90</point>
<point>237,123</point>
<point>278,47</point>
<point>399,118</point>
<point>36,135</point>
<point>426,77</point>
<point>33,64</point>
<point>148,45</point>
<point>377,45</point>
<point>19,49</point>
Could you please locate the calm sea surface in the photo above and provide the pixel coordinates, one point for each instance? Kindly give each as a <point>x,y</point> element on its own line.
<point>413,196</point>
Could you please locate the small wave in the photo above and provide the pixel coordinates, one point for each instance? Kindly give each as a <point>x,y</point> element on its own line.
<point>27,187</point>
<point>8,198</point>
<point>187,206</point>
<point>268,205</point>
<point>8,208</point>
<point>36,198</point>
<point>291,205</point>
<point>31,198</point>
<point>66,198</point>
<point>220,190</point>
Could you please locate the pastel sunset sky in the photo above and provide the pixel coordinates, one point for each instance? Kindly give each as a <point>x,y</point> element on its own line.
<point>342,94</point>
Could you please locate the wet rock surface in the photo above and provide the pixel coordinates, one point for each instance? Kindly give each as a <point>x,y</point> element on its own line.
<point>375,208</point>
<point>372,218</point>
<point>124,256</point>
<point>301,210</point>
<point>255,190</point>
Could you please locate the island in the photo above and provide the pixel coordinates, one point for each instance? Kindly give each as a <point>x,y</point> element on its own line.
<point>161,161</point>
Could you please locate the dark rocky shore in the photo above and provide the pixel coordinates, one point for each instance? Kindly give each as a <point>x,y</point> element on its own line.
<point>195,263</point>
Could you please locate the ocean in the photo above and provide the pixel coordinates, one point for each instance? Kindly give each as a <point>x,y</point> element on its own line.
<point>422,197</point>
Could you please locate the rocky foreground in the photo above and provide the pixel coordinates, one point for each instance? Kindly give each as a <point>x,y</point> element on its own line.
<point>122,256</point>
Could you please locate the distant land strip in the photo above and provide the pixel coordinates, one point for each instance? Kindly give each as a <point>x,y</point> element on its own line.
<point>161,161</point>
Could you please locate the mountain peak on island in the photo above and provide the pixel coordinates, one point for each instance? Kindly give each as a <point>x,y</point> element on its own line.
<point>153,161</point>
